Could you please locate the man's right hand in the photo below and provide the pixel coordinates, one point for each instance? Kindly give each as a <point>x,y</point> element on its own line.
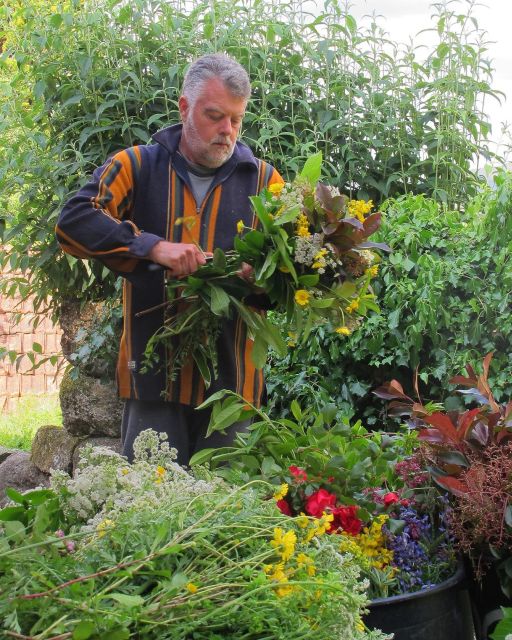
<point>180,259</point>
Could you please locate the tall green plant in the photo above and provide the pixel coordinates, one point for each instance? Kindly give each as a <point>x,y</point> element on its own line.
<point>89,77</point>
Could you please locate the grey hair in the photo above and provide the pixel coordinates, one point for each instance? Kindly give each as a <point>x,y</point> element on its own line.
<point>216,65</point>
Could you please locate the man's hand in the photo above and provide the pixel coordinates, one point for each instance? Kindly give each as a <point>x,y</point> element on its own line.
<point>180,259</point>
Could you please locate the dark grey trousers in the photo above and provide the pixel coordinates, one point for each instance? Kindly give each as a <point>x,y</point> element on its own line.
<point>184,426</point>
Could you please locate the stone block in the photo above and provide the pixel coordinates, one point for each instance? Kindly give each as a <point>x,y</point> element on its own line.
<point>52,448</point>
<point>90,407</point>
<point>20,473</point>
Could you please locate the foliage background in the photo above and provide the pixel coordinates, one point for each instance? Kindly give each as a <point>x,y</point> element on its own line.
<point>81,79</point>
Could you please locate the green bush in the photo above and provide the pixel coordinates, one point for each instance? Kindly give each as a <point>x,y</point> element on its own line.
<point>90,77</point>
<point>445,297</point>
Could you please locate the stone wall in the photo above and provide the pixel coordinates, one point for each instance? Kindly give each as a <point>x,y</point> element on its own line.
<point>20,338</point>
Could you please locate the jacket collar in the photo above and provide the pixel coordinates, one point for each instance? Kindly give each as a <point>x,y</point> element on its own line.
<point>169,138</point>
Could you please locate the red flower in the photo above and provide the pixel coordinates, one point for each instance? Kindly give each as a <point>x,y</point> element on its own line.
<point>319,502</point>
<point>284,507</point>
<point>299,474</point>
<point>391,498</point>
<point>346,519</point>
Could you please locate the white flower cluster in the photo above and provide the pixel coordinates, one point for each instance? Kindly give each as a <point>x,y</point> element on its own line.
<point>105,483</point>
<point>307,248</point>
<point>293,193</point>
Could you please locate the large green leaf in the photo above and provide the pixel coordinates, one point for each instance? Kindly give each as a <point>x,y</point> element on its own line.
<point>220,301</point>
<point>312,169</point>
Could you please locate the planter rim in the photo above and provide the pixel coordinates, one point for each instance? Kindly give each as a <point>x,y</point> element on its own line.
<point>457,577</point>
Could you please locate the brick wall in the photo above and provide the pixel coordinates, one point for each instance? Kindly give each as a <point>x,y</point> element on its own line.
<point>20,338</point>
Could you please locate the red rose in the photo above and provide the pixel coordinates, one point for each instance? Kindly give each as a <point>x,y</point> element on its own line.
<point>391,498</point>
<point>299,474</point>
<point>284,507</point>
<point>346,519</point>
<point>319,502</point>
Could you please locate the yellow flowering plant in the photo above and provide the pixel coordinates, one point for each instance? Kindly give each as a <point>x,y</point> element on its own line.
<point>310,258</point>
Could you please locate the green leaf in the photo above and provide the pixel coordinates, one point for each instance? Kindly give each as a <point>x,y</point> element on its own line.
<point>296,410</point>
<point>288,216</point>
<point>15,496</point>
<point>200,457</point>
<point>220,301</point>
<point>170,550</point>
<point>12,513</point>
<point>321,303</point>
<point>227,416</point>
<point>309,280</point>
<point>83,630</point>
<point>259,351</point>
<point>215,397</point>
<point>255,239</point>
<point>202,364</point>
<point>125,600</point>
<point>219,259</point>
<point>312,168</point>
<point>37,347</point>
<point>14,530</point>
<point>504,626</point>
<point>178,580</point>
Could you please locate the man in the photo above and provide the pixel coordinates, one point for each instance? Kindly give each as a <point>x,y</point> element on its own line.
<point>126,217</point>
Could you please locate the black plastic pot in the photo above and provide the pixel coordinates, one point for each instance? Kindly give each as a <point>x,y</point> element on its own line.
<point>440,613</point>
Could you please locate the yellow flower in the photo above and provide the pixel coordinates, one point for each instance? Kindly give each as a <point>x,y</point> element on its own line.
<point>359,208</point>
<point>302,226</point>
<point>373,271</point>
<point>281,492</point>
<point>343,331</point>
<point>240,226</point>
<point>284,543</point>
<point>353,306</point>
<point>102,527</point>
<point>303,521</point>
<point>302,297</point>
<point>125,471</point>
<point>192,587</point>
<point>276,188</point>
<point>160,473</point>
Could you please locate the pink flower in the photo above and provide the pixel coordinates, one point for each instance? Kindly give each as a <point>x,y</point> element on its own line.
<point>319,502</point>
<point>346,519</point>
<point>59,533</point>
<point>391,498</point>
<point>299,474</point>
<point>70,546</point>
<point>284,507</point>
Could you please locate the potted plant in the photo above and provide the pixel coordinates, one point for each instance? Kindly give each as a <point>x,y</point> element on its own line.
<point>469,454</point>
<point>368,492</point>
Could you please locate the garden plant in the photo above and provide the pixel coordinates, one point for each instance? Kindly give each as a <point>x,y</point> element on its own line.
<point>150,550</point>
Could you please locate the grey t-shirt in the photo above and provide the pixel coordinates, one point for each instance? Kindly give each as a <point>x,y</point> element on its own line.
<point>200,180</point>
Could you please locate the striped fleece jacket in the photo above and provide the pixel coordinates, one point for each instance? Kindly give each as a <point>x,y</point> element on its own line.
<point>133,202</point>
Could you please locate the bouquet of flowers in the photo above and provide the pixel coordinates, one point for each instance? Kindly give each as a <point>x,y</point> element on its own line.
<point>310,256</point>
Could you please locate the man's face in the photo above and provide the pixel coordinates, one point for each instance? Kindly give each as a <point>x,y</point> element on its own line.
<point>211,124</point>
